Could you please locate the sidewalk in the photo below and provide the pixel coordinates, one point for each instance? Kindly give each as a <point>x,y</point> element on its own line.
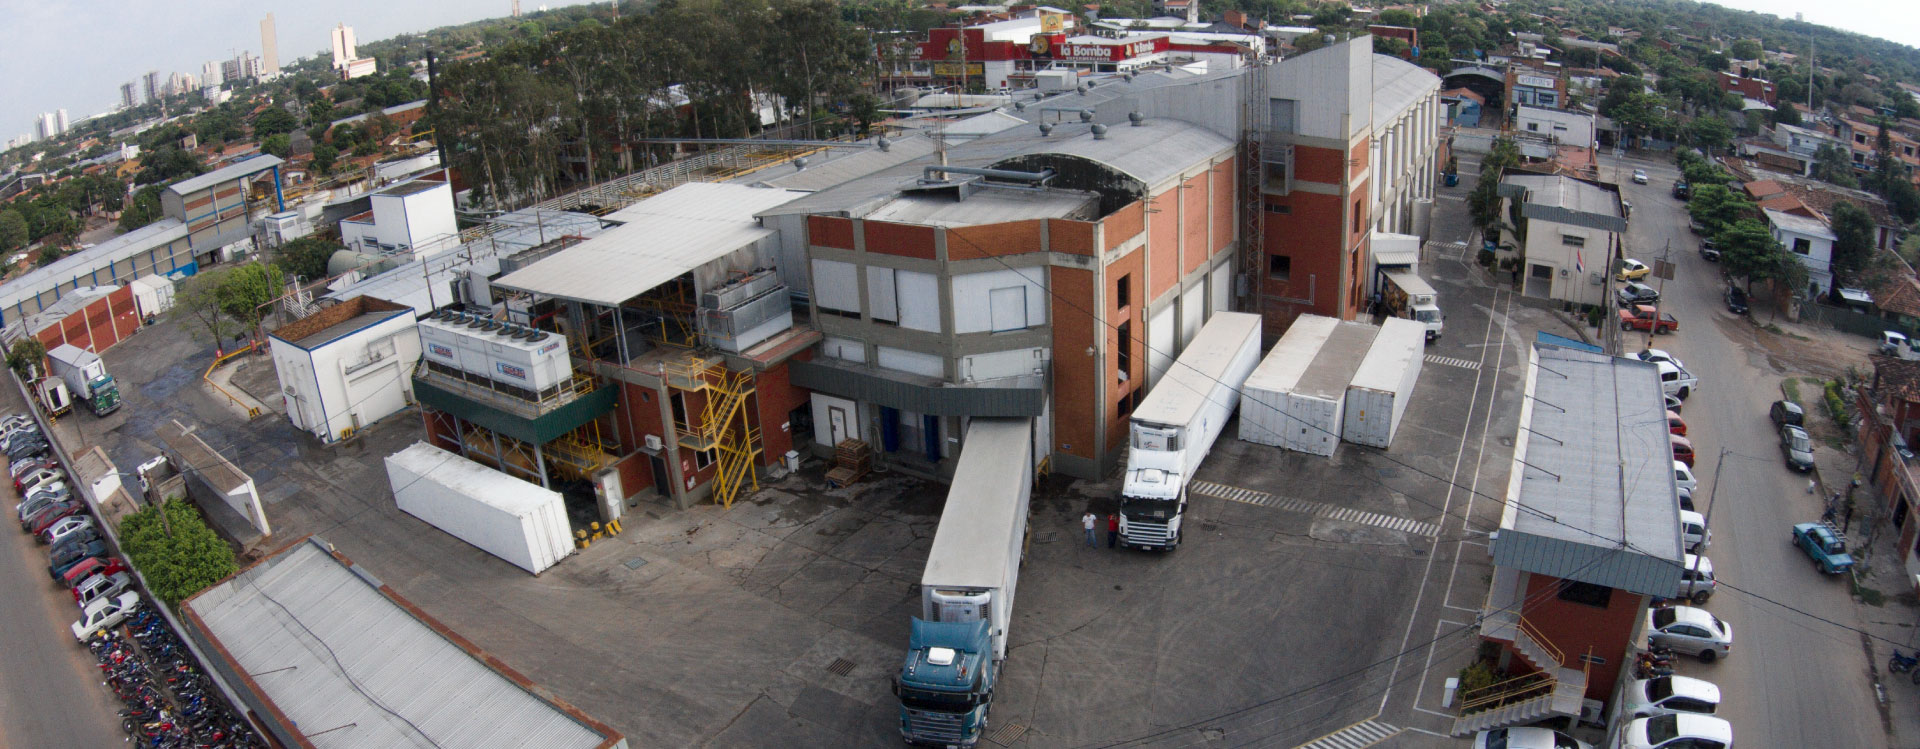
<point>1890,624</point>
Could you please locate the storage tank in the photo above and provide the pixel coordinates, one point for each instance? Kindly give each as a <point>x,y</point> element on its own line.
<point>1384,384</point>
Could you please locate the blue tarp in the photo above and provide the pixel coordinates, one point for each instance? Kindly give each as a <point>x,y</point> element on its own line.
<point>1565,342</point>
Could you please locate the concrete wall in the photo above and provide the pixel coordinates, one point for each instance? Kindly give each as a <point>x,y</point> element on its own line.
<point>325,399</point>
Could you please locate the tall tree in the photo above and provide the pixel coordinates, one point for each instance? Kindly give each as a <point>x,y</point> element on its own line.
<point>1853,243</point>
<point>1484,202</point>
<point>1718,207</point>
<point>13,230</point>
<point>1831,165</point>
<point>245,292</point>
<point>197,305</point>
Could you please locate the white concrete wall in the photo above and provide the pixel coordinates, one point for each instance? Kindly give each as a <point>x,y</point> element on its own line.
<point>326,398</point>
<point>836,285</point>
<point>998,364</point>
<point>1570,128</point>
<point>913,362</point>
<point>1327,108</point>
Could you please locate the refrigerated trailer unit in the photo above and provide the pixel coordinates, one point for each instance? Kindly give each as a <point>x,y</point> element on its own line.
<point>1295,399</point>
<point>1171,430</point>
<point>501,515</point>
<point>1384,384</point>
<point>945,685</point>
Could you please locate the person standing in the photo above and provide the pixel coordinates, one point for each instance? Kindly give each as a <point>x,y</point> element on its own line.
<point>1086,521</point>
<point>1113,529</point>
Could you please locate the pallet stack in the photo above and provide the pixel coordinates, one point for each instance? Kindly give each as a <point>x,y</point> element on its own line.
<point>852,459</point>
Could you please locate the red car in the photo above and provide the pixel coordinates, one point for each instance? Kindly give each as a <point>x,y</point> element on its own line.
<point>1682,449</point>
<point>88,567</point>
<point>1641,317</point>
<point>1675,424</point>
<point>54,513</point>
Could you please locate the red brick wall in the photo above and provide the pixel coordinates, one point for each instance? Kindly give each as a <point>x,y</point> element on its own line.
<point>1224,204</point>
<point>1163,239</point>
<point>1063,235</point>
<point>828,231</point>
<point>1075,379</point>
<point>1193,223</point>
<point>1312,235</point>
<point>1124,224</point>
<point>900,239</point>
<point>774,397</point>
<point>636,473</point>
<point>98,326</point>
<point>1130,267</point>
<point>991,240</point>
<point>1312,164</point>
<point>1577,629</point>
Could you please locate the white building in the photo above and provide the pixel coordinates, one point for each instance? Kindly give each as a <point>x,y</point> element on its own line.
<point>1573,229</point>
<point>269,49</point>
<point>343,51</point>
<point>60,120</point>
<point>1558,126</point>
<point>346,366</point>
<point>407,217</point>
<point>1810,240</point>
<point>1804,142</point>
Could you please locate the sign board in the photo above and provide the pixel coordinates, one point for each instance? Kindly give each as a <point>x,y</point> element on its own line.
<point>1663,270</point>
<point>955,69</point>
<point>1535,81</point>
<point>1051,23</point>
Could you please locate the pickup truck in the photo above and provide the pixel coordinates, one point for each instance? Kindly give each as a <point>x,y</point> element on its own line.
<point>1825,545</point>
<point>1642,317</point>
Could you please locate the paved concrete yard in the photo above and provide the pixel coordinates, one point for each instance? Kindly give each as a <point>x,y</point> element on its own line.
<point>1277,622</point>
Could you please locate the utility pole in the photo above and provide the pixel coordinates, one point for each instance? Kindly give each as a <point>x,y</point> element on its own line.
<point>1663,263</point>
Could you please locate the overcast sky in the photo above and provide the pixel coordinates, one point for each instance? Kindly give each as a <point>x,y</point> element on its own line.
<point>74,55</point>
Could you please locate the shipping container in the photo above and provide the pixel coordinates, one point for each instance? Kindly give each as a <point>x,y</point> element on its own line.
<point>1263,415</point>
<point>974,563</point>
<point>1175,426</point>
<point>499,514</point>
<point>1384,383</point>
<point>152,296</point>
<point>1302,406</point>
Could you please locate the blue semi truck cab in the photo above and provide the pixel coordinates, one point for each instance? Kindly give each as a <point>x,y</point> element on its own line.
<point>946,684</point>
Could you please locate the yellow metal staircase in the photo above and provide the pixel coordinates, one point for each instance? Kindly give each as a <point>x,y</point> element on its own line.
<point>725,424</point>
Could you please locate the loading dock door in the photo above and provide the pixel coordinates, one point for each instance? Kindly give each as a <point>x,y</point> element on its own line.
<point>1539,281</point>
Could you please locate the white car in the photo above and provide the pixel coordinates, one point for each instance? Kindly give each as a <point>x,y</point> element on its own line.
<point>1683,477</point>
<point>1526,738</point>
<point>1667,695</point>
<point>1677,731</point>
<point>98,587</point>
<point>104,613</point>
<point>65,527</point>
<point>1656,356</point>
<point>1696,579</point>
<point>1639,176</point>
<point>1689,630</point>
<point>1694,533</point>
<point>35,480</point>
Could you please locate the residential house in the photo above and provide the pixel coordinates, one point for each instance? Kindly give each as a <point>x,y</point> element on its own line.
<point>1570,232</point>
<point>1811,242</point>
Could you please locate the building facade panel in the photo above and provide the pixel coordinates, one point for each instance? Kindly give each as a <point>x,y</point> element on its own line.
<point>994,240</point>
<point>1163,245</point>
<point>1581,625</point>
<point>1076,386</point>
<point>904,240</point>
<point>830,231</point>
<point>1122,225</point>
<point>1194,214</point>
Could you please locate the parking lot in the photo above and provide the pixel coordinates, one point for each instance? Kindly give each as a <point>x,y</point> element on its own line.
<point>782,620</point>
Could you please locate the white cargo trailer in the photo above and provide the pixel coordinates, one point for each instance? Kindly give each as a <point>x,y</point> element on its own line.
<point>152,296</point>
<point>1263,416</point>
<point>1384,383</point>
<point>1306,411</point>
<point>1172,430</point>
<point>975,560</point>
<point>501,515</point>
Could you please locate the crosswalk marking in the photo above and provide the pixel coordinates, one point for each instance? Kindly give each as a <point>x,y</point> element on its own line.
<point>1452,362</point>
<point>1347,514</point>
<point>1357,736</point>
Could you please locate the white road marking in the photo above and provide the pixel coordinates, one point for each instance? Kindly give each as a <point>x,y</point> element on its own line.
<point>1348,514</point>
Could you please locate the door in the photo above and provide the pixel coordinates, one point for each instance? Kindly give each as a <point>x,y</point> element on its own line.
<point>659,475</point>
<point>837,424</point>
<point>1008,308</point>
<point>1539,281</point>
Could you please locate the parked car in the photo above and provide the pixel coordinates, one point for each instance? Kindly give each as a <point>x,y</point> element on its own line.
<point>1686,499</point>
<point>1709,250</point>
<point>1673,402</point>
<point>105,613</point>
<point>1643,317</point>
<point>1633,270</point>
<point>24,467</point>
<point>1784,413</point>
<point>1826,545</point>
<point>1675,424</point>
<point>1639,176</point>
<point>1635,293</point>
<point>37,500</point>
<point>64,527</point>
<point>1797,448</point>
<point>76,539</point>
<point>1667,695</point>
<point>27,484</point>
<point>26,448</point>
<point>1682,449</point>
<point>98,586</point>
<point>103,565</point>
<point>1526,738</point>
<point>1683,476</point>
<point>1655,356</point>
<point>18,436</point>
<point>1677,731</point>
<point>64,559</point>
<point>1681,190</point>
<point>1736,300</point>
<point>1694,533</point>
<point>1892,342</point>
<point>74,545</point>
<point>1689,630</point>
<point>1696,579</point>
<point>14,421</point>
<point>54,513</point>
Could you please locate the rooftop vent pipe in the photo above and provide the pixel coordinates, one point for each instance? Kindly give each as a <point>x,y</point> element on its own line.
<point>883,143</point>
<point>1086,115</point>
<point>1136,118</point>
<point>1099,132</point>
<point>1045,129</point>
<point>1039,177</point>
<point>800,163</point>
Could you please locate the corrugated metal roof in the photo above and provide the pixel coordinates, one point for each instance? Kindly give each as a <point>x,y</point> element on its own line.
<point>1565,200</point>
<point>1591,496</point>
<point>988,205</point>
<point>236,170</point>
<point>1798,224</point>
<point>836,167</point>
<point>1398,85</point>
<point>422,284</point>
<point>662,238</point>
<point>85,262</point>
<point>330,650</point>
<point>975,542</point>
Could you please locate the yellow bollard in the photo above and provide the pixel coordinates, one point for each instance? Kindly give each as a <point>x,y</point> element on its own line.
<point>581,539</point>
<point>615,525</point>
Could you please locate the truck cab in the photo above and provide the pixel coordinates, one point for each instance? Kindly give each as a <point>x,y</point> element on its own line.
<point>1411,297</point>
<point>946,684</point>
<point>105,395</point>
<point>1154,497</point>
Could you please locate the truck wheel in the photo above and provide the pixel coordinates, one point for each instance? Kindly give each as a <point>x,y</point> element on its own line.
<point>1684,392</point>
<point>1701,596</point>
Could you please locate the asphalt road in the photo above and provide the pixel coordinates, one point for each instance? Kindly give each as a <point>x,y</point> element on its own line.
<point>1790,681</point>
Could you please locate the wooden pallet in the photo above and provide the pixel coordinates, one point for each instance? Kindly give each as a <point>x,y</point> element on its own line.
<point>852,459</point>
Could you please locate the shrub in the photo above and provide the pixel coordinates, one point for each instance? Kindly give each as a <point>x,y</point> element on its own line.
<point>1792,388</point>
<point>1836,403</point>
<point>1486,258</point>
<point>1594,317</point>
<point>180,556</point>
<point>1476,676</point>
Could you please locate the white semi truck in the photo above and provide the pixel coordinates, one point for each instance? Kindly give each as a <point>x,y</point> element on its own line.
<point>953,658</point>
<point>1174,427</point>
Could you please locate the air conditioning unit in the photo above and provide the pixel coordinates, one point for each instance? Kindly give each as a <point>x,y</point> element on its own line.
<point>653,442</point>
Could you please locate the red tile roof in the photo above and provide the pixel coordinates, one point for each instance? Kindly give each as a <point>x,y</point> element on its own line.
<point>1900,296</point>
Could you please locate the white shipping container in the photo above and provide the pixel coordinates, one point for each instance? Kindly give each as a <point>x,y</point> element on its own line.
<point>77,366</point>
<point>1384,384</point>
<point>1306,414</point>
<point>499,514</point>
<point>974,564</point>
<point>152,295</point>
<point>1263,418</point>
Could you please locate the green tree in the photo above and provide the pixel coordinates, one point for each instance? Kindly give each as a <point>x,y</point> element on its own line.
<point>1831,164</point>
<point>48,254</point>
<point>1746,49</point>
<point>168,162</point>
<point>13,230</point>
<point>197,305</point>
<point>1717,207</point>
<point>27,357</point>
<point>245,291</point>
<point>1748,250</point>
<point>178,554</point>
<point>306,257</point>
<point>1853,243</point>
<point>1710,132</point>
<point>273,121</point>
<point>1483,204</point>
<point>323,156</point>
<point>277,144</point>
<point>145,209</point>
<point>1786,114</point>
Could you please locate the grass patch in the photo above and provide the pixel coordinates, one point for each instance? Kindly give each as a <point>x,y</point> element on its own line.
<point>1792,388</point>
<point>1774,329</point>
<point>1870,596</point>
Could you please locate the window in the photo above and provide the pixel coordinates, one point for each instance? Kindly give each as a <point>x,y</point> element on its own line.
<point>1279,267</point>
<point>679,403</point>
<point>1803,246</point>
<point>1533,127</point>
<point>703,458</point>
<point>1124,350</point>
<point>1127,402</point>
<point>1571,240</point>
<point>1281,115</point>
<point>1585,594</point>
<point>1280,209</point>
<point>1356,215</point>
<point>1123,292</point>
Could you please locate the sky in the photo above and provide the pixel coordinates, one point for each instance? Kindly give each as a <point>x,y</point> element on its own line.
<point>74,54</point>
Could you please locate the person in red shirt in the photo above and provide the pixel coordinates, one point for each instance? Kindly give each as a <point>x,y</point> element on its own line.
<point>1113,529</point>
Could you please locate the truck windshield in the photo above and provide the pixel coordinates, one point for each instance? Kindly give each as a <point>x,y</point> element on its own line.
<point>1150,510</point>
<point>1427,315</point>
<point>949,702</point>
